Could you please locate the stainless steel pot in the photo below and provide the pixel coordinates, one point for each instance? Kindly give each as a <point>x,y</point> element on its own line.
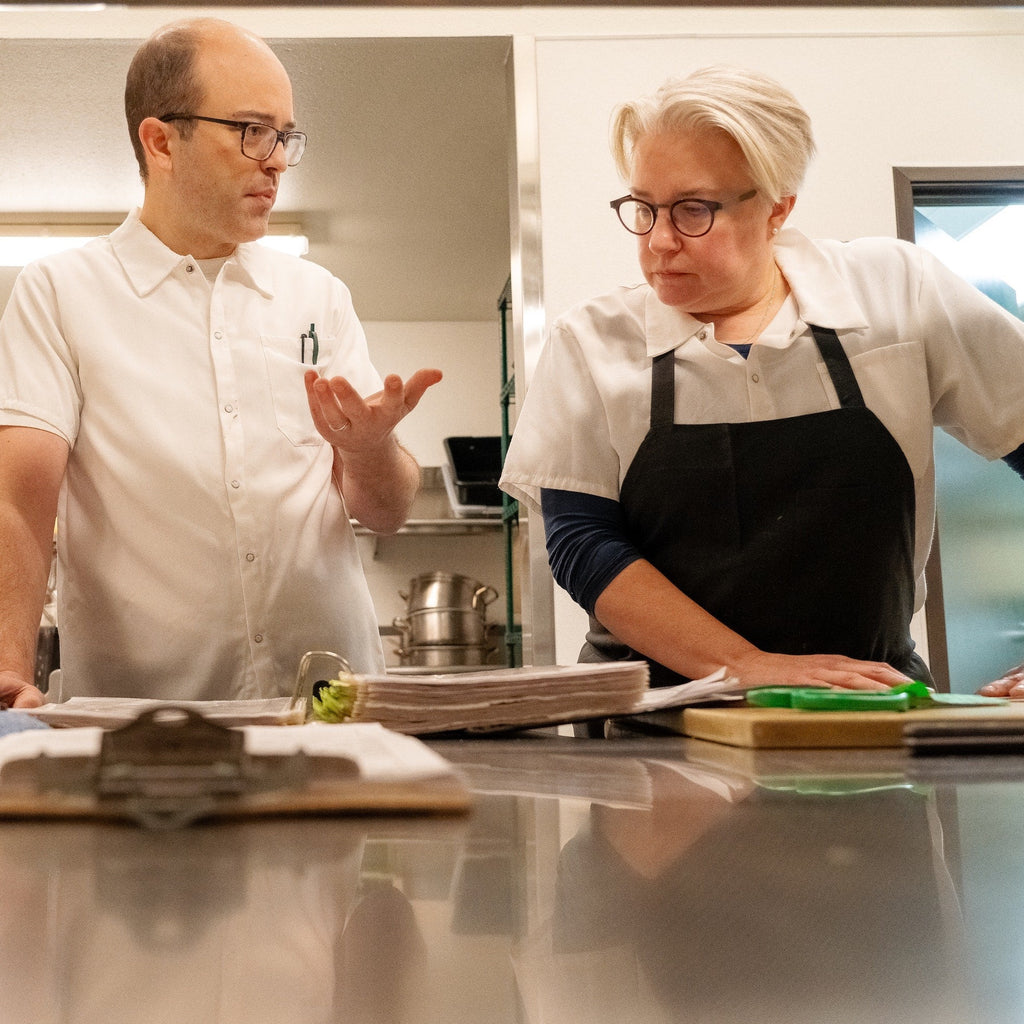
<point>443,626</point>
<point>447,590</point>
<point>445,655</point>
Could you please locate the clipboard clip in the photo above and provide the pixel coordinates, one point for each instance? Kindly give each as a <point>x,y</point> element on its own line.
<point>170,767</point>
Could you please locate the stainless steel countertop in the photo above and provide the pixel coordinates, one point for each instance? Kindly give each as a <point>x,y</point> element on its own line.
<point>634,879</point>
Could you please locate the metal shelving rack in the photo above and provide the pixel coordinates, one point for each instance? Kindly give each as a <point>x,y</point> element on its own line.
<point>509,506</point>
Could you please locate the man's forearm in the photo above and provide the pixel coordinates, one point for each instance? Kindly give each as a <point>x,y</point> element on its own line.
<point>378,486</point>
<point>32,465</point>
<point>24,570</point>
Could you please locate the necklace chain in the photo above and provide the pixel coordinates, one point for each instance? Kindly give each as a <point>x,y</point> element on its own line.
<point>767,310</point>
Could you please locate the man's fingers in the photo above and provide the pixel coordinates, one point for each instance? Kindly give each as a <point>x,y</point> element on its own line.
<point>418,384</point>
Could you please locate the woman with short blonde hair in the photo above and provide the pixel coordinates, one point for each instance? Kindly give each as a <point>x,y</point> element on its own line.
<point>734,459</point>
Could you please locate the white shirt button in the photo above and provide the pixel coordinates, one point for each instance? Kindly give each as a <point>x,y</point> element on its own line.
<point>754,377</point>
<point>236,484</point>
<point>189,268</point>
<point>258,638</point>
<point>218,335</point>
<point>250,556</point>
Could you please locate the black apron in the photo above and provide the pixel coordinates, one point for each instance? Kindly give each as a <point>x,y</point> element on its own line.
<point>797,533</point>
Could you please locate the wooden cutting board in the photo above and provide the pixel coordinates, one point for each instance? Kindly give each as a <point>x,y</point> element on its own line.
<point>785,727</point>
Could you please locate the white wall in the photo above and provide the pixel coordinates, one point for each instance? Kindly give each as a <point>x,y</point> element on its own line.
<point>931,90</point>
<point>465,402</point>
<point>884,88</point>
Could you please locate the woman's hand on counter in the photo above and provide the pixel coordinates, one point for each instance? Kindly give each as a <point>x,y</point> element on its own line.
<point>16,693</point>
<point>644,610</point>
<point>833,670</point>
<point>1009,685</point>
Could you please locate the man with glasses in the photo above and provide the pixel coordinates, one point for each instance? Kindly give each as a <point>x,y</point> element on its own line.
<point>187,404</point>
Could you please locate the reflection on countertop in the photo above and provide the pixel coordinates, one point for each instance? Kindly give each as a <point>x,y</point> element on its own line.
<point>640,879</point>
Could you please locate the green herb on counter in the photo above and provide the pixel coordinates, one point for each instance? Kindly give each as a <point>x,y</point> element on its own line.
<point>333,700</point>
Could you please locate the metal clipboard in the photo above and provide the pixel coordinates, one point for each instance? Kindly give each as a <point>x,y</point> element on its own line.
<point>172,767</point>
<point>167,768</point>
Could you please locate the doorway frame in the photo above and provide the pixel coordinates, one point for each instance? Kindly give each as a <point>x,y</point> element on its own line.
<point>908,185</point>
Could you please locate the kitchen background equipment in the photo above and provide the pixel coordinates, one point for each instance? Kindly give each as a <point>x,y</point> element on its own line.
<point>447,590</point>
<point>471,475</point>
<point>446,656</point>
<point>445,625</point>
<point>475,464</point>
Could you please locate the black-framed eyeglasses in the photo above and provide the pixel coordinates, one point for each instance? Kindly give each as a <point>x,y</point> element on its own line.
<point>690,217</point>
<point>258,140</point>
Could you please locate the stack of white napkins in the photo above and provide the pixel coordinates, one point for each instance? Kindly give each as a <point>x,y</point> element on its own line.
<point>494,699</point>
<point>518,697</point>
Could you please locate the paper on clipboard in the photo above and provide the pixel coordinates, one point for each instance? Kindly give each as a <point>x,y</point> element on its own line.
<point>110,712</point>
<point>353,768</point>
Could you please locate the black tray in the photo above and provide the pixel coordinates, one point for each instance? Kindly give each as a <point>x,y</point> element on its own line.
<point>476,466</point>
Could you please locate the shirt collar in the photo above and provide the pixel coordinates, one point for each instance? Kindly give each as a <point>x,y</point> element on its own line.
<point>255,262</point>
<point>822,297</point>
<point>148,262</point>
<point>667,327</point>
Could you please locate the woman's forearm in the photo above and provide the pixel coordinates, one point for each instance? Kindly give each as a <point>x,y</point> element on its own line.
<point>643,609</point>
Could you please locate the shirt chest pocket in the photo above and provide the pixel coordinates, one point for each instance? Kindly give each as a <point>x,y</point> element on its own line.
<point>285,372</point>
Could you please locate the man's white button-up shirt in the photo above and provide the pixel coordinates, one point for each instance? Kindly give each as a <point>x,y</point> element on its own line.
<point>203,545</point>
